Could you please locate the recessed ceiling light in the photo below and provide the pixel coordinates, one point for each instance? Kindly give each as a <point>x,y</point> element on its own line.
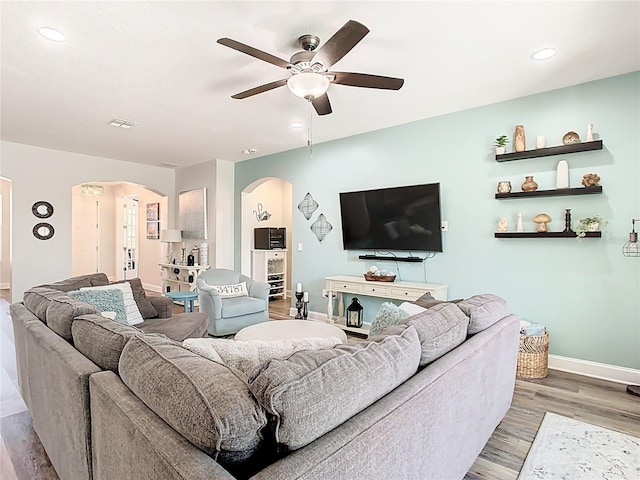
<point>544,54</point>
<point>296,124</point>
<point>121,123</point>
<point>51,34</point>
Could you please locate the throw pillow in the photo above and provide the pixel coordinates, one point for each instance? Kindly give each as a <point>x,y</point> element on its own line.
<point>134,316</point>
<point>108,300</point>
<point>389,314</point>
<point>427,301</point>
<point>483,311</point>
<point>313,391</point>
<point>229,291</point>
<point>245,355</point>
<point>147,310</point>
<point>411,308</point>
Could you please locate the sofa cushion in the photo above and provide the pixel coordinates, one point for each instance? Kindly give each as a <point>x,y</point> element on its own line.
<point>483,311</point>
<point>388,314</point>
<point>179,327</point>
<point>101,339</point>
<point>133,314</point>
<point>440,329</point>
<point>76,283</point>
<point>246,355</point>
<point>313,391</point>
<point>202,400</point>
<point>147,310</point>
<point>61,312</point>
<point>109,300</point>
<point>427,301</point>
<point>37,300</point>
<point>231,291</point>
<point>240,306</point>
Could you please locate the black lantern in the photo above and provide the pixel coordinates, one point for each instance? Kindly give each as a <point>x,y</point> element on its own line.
<point>354,314</point>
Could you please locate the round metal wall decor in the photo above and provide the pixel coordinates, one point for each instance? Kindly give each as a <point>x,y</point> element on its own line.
<point>42,209</point>
<point>43,231</point>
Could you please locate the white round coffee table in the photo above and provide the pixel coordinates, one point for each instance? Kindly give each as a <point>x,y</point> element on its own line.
<point>290,329</point>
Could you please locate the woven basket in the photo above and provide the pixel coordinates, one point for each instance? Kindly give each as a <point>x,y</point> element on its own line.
<point>533,356</point>
<point>379,278</point>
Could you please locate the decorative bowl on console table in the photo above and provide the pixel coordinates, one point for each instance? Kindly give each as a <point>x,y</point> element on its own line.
<point>379,278</point>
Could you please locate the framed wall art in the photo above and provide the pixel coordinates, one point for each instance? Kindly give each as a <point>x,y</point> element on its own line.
<point>192,206</point>
<point>153,212</point>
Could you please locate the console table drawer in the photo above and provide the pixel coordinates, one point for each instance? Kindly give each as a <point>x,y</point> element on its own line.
<point>345,287</point>
<point>375,289</point>
<point>401,293</point>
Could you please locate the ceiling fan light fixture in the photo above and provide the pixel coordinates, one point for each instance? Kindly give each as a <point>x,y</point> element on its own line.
<point>308,85</point>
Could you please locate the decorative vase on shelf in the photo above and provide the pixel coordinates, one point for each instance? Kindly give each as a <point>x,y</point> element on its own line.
<point>519,141</point>
<point>541,142</point>
<point>562,179</point>
<point>519,225</point>
<point>500,150</point>
<point>590,132</point>
<point>504,187</point>
<point>529,184</point>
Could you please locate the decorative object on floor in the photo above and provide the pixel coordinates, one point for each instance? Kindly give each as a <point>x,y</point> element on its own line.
<point>529,184</point>
<point>519,225</point>
<point>321,227</point>
<point>533,356</point>
<point>500,144</point>
<point>562,174</point>
<point>520,142</point>
<point>42,209</point>
<point>307,206</point>
<point>261,214</point>
<point>570,138</point>
<point>589,132</point>
<point>589,224</point>
<point>354,314</point>
<point>169,237</point>
<point>590,180</point>
<point>299,304</point>
<point>631,248</point>
<point>192,206</point>
<point>504,186</point>
<point>567,220</point>
<point>305,307</point>
<point>43,231</point>
<point>502,225</point>
<point>541,142</point>
<point>572,450</point>
<point>542,219</point>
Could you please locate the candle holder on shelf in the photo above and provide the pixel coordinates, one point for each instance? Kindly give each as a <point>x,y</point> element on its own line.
<point>299,305</point>
<point>567,220</point>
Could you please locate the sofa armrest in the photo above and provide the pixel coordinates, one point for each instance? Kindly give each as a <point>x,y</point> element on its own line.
<point>259,290</point>
<point>164,306</point>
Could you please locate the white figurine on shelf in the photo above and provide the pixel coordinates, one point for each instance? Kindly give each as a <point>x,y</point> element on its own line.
<point>502,225</point>
<point>519,226</point>
<point>589,132</point>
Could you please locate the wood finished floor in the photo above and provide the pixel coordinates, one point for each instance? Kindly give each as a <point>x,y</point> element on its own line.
<point>594,401</point>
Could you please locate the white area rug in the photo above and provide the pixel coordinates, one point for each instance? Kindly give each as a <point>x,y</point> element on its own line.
<point>571,450</point>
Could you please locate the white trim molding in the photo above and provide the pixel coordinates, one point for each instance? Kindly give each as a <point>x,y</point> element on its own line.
<point>5,286</point>
<point>602,371</point>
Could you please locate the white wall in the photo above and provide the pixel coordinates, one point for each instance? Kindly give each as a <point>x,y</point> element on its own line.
<point>224,214</point>
<point>5,260</point>
<point>45,174</point>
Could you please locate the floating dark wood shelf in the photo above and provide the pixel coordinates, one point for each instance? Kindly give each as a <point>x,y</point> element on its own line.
<point>391,258</point>
<point>545,235</point>
<point>558,192</point>
<point>546,152</point>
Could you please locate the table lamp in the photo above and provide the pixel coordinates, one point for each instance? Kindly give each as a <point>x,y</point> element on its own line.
<point>170,236</point>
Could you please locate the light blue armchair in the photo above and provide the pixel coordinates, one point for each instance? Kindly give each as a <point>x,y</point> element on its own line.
<point>228,315</point>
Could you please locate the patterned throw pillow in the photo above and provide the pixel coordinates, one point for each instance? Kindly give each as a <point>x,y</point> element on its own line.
<point>230,291</point>
<point>110,300</point>
<point>134,316</point>
<point>389,314</point>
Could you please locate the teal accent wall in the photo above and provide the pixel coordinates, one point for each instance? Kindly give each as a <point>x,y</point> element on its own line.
<point>585,291</point>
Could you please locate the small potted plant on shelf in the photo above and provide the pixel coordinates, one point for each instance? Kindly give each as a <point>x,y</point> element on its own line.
<point>589,224</point>
<point>501,141</point>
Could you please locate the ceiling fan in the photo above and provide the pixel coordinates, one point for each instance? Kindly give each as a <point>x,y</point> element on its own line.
<point>309,69</point>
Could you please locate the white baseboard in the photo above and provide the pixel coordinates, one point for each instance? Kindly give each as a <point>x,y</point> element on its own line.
<point>602,371</point>
<point>152,288</point>
<point>5,286</point>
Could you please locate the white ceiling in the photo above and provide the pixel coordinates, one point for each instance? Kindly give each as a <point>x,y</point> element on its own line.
<point>158,64</point>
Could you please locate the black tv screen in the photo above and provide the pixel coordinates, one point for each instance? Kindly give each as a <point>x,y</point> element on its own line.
<point>399,218</point>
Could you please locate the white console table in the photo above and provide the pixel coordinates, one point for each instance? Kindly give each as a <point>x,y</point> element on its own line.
<point>405,291</point>
<point>180,281</point>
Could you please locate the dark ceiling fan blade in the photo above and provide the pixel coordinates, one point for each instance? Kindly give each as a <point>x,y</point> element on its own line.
<point>254,52</point>
<point>322,105</point>
<point>262,88</point>
<point>341,43</point>
<point>366,80</point>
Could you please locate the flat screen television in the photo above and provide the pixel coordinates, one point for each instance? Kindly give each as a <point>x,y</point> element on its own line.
<point>398,218</point>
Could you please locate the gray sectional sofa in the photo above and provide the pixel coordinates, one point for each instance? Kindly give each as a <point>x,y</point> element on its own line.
<point>419,401</point>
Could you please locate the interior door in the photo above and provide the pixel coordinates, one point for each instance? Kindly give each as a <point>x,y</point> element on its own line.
<point>127,237</point>
<point>85,244</point>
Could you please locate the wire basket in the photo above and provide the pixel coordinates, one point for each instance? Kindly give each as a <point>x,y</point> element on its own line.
<point>533,356</point>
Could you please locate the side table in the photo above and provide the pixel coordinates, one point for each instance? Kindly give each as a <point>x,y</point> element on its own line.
<point>189,299</point>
